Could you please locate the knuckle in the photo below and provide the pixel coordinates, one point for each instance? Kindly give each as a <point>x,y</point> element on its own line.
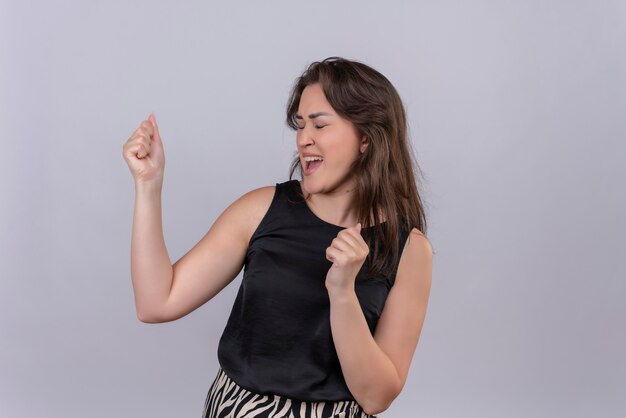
<point>146,125</point>
<point>144,129</point>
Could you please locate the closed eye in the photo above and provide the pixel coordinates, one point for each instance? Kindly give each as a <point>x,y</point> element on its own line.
<point>318,127</point>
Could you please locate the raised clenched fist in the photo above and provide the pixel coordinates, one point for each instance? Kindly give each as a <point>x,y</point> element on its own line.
<point>144,153</point>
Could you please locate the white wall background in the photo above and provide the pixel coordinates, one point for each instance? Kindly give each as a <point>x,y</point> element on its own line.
<point>517,113</point>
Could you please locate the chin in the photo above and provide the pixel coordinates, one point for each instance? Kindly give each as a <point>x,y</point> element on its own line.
<point>310,186</point>
<point>317,186</point>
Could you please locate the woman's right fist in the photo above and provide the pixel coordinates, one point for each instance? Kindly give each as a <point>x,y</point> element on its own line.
<point>144,153</point>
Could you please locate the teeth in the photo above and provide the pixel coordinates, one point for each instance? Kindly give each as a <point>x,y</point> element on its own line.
<point>312,158</point>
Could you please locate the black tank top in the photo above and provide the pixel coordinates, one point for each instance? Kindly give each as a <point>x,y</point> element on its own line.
<point>278,337</point>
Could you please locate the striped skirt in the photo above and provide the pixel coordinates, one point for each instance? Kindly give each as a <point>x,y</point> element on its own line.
<point>226,399</point>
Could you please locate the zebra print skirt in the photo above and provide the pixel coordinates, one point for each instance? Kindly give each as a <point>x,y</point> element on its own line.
<point>226,399</point>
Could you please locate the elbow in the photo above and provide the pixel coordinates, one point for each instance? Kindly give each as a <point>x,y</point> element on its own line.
<point>378,404</point>
<point>142,317</point>
<point>149,318</point>
<point>375,409</point>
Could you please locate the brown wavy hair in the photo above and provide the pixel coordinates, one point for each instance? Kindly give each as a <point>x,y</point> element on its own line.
<point>385,174</point>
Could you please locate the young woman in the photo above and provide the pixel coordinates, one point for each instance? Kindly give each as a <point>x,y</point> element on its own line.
<point>337,269</point>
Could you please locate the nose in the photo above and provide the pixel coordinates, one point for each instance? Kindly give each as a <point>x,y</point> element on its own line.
<point>304,137</point>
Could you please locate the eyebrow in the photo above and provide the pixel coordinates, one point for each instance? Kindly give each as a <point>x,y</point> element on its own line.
<point>314,115</point>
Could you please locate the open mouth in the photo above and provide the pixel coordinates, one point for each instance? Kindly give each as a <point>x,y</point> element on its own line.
<point>311,166</point>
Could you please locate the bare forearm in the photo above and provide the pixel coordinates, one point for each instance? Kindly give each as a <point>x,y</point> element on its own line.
<point>151,268</point>
<point>369,373</point>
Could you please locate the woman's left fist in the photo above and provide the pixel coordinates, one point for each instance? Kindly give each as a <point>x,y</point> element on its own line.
<point>347,252</point>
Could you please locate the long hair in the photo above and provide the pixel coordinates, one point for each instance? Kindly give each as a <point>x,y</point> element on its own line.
<point>385,174</point>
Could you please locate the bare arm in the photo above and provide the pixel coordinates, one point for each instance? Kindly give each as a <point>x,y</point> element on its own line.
<point>165,292</point>
<point>150,266</point>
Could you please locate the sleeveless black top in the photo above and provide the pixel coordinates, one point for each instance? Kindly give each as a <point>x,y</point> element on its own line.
<point>278,337</point>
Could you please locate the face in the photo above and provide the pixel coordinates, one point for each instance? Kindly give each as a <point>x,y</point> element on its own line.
<point>324,133</point>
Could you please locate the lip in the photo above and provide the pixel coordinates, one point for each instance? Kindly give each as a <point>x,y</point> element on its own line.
<point>308,154</point>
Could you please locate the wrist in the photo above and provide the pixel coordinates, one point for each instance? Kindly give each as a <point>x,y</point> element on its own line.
<point>339,293</point>
<point>144,187</point>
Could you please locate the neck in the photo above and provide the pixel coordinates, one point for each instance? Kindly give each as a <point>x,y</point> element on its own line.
<point>334,207</point>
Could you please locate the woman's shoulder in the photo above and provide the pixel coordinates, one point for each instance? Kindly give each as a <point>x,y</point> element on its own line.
<point>250,208</point>
<point>258,199</point>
